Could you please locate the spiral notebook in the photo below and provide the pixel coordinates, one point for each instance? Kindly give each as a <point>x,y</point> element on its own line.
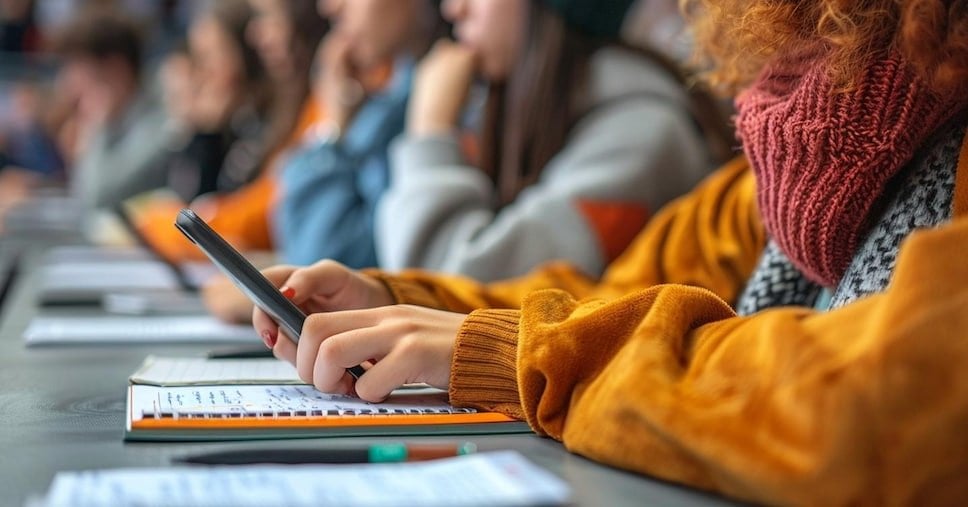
<point>243,412</point>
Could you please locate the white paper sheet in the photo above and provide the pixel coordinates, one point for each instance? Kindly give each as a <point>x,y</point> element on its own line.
<point>198,371</point>
<point>273,400</point>
<point>148,329</point>
<point>94,254</point>
<point>107,276</point>
<point>501,478</point>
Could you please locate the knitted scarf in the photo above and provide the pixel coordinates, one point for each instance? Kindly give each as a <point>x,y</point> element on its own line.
<point>822,157</point>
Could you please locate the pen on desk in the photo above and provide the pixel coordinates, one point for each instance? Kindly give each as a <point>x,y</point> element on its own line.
<point>241,353</point>
<point>377,453</point>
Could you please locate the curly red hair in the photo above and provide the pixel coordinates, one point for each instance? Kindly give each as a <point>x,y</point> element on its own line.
<point>735,38</point>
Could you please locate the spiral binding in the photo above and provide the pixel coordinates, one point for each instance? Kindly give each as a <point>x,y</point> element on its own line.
<point>309,413</point>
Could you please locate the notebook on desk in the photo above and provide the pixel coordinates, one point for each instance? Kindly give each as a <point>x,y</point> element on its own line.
<point>244,412</point>
<point>102,330</point>
<point>83,275</point>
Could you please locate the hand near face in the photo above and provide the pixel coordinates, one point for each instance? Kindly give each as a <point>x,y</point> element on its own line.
<point>441,86</point>
<point>176,84</point>
<point>338,85</point>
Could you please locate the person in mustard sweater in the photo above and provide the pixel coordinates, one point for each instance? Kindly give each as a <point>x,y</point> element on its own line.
<point>840,235</point>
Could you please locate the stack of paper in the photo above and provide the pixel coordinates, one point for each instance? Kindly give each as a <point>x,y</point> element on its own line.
<point>499,478</point>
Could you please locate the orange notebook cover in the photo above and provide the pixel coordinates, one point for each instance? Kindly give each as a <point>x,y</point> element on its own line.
<point>244,412</point>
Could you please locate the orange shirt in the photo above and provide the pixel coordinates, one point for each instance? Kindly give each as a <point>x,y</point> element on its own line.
<point>241,217</point>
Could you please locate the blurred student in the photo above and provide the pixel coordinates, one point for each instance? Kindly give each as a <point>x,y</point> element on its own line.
<point>853,120</point>
<point>285,33</point>
<point>332,180</point>
<point>121,128</point>
<point>584,139</point>
<point>219,91</point>
<point>331,185</point>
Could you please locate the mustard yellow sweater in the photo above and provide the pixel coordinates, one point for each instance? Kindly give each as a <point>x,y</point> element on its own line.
<point>645,370</point>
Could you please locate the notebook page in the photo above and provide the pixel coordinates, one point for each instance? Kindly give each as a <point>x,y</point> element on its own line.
<point>499,478</point>
<point>121,329</point>
<point>276,400</point>
<point>197,371</point>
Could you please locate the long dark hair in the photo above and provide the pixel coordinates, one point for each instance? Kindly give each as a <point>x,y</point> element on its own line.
<point>308,29</point>
<point>527,120</point>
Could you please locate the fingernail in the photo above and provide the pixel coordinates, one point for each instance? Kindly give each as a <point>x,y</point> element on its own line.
<point>288,292</point>
<point>268,339</point>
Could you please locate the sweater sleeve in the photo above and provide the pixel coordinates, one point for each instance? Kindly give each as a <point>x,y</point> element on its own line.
<point>709,238</point>
<point>622,162</point>
<point>864,405</point>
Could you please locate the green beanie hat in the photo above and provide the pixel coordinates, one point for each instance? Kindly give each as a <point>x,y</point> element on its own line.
<point>599,18</point>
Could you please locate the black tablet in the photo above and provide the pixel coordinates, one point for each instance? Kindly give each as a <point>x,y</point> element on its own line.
<point>248,279</point>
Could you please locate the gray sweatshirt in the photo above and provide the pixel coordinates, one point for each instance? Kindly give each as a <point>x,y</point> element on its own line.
<point>122,159</point>
<point>637,146</point>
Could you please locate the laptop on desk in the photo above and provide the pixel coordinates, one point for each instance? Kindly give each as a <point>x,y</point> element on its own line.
<point>86,275</point>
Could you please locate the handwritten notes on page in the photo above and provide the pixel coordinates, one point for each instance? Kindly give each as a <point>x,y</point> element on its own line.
<point>276,400</point>
<point>198,371</point>
<point>135,330</point>
<point>499,478</point>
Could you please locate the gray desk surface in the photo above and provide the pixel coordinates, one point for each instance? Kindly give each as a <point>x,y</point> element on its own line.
<point>63,409</point>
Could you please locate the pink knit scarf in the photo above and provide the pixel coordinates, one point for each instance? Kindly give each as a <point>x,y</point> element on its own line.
<point>823,157</point>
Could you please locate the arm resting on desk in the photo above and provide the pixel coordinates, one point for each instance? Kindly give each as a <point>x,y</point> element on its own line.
<point>867,404</point>
<point>710,238</point>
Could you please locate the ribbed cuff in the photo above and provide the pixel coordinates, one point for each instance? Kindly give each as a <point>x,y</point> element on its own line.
<point>484,371</point>
<point>406,292</point>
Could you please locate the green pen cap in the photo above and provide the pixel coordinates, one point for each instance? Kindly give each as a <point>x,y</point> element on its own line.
<point>466,448</point>
<point>397,452</point>
<point>388,453</point>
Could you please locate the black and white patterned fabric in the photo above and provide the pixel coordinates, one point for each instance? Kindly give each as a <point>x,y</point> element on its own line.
<point>776,282</point>
<point>922,199</point>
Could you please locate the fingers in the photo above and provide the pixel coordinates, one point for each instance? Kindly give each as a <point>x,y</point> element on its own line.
<point>324,279</point>
<point>346,350</point>
<point>277,275</point>
<point>285,349</point>
<point>394,370</point>
<point>267,328</point>
<point>409,344</point>
<point>329,345</point>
